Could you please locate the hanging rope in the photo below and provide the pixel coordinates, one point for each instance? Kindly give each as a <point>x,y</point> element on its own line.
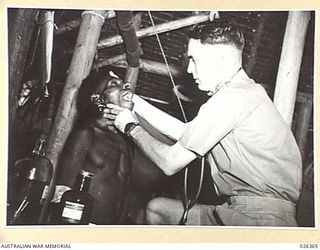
<point>187,203</point>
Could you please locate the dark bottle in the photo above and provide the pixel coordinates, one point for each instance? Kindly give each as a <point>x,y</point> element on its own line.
<point>34,172</point>
<point>76,205</point>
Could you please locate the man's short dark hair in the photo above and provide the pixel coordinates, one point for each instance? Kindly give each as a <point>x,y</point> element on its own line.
<point>218,32</point>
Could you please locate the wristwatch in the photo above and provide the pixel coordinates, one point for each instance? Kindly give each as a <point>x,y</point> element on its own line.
<point>129,127</point>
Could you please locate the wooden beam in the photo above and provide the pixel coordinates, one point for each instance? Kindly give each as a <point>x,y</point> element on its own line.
<point>74,24</point>
<point>146,65</point>
<point>154,67</point>
<point>160,28</point>
<point>290,62</point>
<point>80,67</point>
<point>105,62</point>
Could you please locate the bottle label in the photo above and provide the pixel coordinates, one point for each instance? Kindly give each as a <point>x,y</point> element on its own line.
<point>72,210</point>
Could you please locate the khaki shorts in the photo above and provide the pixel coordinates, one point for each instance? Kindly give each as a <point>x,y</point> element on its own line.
<point>249,211</point>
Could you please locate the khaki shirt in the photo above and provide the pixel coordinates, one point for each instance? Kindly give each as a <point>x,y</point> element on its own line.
<point>250,149</point>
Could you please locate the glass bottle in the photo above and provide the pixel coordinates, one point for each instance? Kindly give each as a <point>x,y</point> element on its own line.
<point>34,173</point>
<point>76,205</point>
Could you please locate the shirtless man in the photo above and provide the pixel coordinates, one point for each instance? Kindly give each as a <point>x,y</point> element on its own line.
<point>93,147</point>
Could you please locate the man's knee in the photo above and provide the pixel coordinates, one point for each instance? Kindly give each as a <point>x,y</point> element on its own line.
<point>154,211</point>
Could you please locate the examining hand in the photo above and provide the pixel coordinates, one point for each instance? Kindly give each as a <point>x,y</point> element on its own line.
<point>118,116</point>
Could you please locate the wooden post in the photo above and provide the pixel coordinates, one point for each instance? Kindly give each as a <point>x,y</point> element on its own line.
<point>20,31</point>
<point>160,28</point>
<point>80,67</point>
<point>128,24</point>
<point>290,62</point>
<point>132,73</point>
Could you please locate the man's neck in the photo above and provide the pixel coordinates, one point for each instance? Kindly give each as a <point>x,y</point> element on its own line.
<point>100,123</point>
<point>230,76</point>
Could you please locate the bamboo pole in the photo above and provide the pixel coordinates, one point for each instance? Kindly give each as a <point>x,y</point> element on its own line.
<point>80,67</point>
<point>154,67</point>
<point>128,25</point>
<point>74,24</point>
<point>146,65</point>
<point>132,73</point>
<point>109,61</point>
<point>160,28</point>
<point>290,62</point>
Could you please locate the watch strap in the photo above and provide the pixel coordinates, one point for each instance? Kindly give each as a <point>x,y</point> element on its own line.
<point>129,127</point>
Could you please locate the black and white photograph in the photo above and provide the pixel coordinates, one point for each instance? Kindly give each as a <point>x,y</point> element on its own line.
<point>166,118</point>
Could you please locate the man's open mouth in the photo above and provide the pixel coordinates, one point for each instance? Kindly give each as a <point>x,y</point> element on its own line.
<point>127,96</point>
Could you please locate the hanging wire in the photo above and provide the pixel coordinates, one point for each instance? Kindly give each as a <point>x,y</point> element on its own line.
<point>168,68</point>
<point>187,203</point>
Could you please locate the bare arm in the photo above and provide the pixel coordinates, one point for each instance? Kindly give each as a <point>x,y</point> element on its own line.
<point>170,159</point>
<point>164,123</point>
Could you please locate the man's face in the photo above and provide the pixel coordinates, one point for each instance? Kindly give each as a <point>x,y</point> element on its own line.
<point>114,90</point>
<point>204,64</point>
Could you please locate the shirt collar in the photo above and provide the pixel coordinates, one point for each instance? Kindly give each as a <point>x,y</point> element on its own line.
<point>239,74</point>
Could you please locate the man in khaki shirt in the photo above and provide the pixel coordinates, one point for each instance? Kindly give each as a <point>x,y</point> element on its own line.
<point>254,159</point>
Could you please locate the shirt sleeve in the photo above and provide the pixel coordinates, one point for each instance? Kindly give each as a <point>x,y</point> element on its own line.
<point>215,119</point>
